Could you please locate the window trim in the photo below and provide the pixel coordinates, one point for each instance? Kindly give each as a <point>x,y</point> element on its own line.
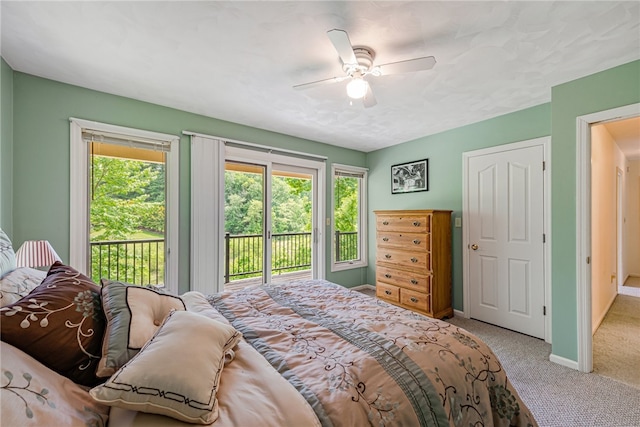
<point>362,219</point>
<point>79,194</point>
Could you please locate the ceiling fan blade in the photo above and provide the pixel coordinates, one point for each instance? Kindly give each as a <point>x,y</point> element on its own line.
<point>417,64</point>
<point>340,40</point>
<point>320,82</point>
<point>368,99</point>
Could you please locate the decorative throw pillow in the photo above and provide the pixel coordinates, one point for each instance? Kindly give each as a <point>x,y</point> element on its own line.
<point>7,255</point>
<point>33,395</point>
<point>60,323</point>
<point>153,382</point>
<point>18,283</point>
<point>134,314</point>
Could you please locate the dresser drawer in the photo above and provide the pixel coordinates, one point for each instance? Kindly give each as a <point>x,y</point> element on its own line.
<point>417,261</point>
<point>404,223</point>
<point>405,279</point>
<point>388,292</point>
<point>415,300</point>
<point>405,241</point>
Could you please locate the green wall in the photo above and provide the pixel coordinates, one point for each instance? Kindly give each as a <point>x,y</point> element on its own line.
<point>444,151</point>
<point>39,140</point>
<point>6,147</point>
<point>42,109</point>
<point>602,91</point>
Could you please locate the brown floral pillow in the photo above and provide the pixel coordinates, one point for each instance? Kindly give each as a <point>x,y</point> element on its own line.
<point>60,323</point>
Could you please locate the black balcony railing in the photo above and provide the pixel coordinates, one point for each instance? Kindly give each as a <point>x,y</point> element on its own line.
<point>141,262</point>
<point>243,254</point>
<point>346,245</point>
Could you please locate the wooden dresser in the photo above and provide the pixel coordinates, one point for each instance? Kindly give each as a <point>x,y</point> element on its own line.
<point>413,260</point>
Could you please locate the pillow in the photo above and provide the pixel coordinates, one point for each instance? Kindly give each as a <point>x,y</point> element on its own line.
<point>134,314</point>
<point>18,283</point>
<point>153,382</point>
<point>60,323</point>
<point>33,395</point>
<point>7,255</point>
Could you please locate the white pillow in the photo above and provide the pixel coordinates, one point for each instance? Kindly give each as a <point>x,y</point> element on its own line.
<point>134,314</point>
<point>18,283</point>
<point>7,255</point>
<point>177,372</point>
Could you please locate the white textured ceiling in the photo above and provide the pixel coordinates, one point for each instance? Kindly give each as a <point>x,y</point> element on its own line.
<point>238,61</point>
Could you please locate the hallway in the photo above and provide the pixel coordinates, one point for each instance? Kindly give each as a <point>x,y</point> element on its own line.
<point>631,287</point>
<point>616,343</point>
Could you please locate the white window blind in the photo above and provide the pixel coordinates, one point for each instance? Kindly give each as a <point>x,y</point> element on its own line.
<point>89,136</point>
<point>348,174</point>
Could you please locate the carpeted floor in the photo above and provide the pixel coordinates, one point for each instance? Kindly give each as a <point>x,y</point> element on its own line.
<point>557,396</point>
<point>616,343</point>
<point>632,281</point>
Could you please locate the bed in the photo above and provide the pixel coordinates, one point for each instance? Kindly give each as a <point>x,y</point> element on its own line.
<point>304,353</point>
<point>355,361</point>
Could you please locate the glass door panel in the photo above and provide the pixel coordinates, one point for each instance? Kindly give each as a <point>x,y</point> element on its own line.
<point>292,233</point>
<point>127,219</point>
<point>244,224</point>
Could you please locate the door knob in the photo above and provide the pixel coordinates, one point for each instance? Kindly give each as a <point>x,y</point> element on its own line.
<point>474,247</point>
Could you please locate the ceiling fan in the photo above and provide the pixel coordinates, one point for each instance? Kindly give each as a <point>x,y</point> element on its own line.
<point>357,63</point>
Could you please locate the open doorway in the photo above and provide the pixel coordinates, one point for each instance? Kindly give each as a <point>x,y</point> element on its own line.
<point>615,205</point>
<point>608,151</point>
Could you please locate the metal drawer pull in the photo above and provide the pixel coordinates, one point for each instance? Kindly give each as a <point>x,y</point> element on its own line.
<point>388,292</point>
<point>414,259</point>
<point>388,276</point>
<point>385,222</point>
<point>416,242</point>
<point>387,256</point>
<point>416,223</point>
<point>414,299</point>
<point>385,239</point>
<point>414,282</point>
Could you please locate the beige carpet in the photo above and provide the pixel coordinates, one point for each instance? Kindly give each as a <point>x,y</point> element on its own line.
<point>616,343</point>
<point>632,281</point>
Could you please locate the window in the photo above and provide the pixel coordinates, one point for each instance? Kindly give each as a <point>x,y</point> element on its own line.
<point>124,204</point>
<point>349,207</point>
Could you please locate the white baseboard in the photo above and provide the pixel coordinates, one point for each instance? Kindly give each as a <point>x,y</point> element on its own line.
<point>458,313</point>
<point>365,286</point>
<point>600,318</point>
<point>563,361</point>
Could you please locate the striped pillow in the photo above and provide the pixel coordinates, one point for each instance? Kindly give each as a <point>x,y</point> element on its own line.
<point>7,255</point>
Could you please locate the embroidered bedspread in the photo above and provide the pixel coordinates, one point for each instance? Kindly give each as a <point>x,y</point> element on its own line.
<point>360,361</point>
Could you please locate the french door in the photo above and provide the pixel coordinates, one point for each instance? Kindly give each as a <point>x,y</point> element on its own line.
<point>271,219</point>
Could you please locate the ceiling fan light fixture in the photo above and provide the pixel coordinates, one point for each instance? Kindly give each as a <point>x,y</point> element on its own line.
<point>357,88</point>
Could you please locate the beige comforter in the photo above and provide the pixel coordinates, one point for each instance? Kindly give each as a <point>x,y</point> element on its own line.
<point>359,361</point>
<point>314,354</point>
<point>251,392</point>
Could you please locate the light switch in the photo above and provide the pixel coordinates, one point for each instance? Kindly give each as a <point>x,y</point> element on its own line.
<point>458,222</point>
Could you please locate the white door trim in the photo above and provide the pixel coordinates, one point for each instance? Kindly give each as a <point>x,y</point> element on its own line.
<point>466,156</point>
<point>583,224</point>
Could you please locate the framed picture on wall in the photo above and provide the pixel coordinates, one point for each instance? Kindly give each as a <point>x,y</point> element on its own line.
<point>410,177</point>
